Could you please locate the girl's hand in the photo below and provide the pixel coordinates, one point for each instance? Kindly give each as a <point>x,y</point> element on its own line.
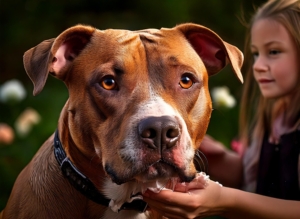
<point>225,165</point>
<point>189,200</point>
<point>210,147</point>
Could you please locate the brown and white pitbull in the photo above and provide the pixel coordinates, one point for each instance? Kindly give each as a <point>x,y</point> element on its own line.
<point>138,108</point>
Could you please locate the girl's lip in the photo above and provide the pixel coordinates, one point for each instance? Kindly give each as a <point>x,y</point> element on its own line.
<point>265,80</point>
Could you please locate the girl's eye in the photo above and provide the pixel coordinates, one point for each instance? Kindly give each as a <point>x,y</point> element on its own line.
<point>255,55</point>
<point>186,82</point>
<point>108,83</point>
<point>274,52</point>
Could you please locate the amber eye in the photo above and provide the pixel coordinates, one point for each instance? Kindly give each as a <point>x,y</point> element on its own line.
<point>186,82</point>
<point>108,83</point>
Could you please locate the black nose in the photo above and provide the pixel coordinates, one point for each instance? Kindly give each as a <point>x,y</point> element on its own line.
<point>159,133</point>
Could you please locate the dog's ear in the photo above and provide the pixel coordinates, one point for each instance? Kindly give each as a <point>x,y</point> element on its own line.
<point>55,55</point>
<point>214,52</point>
<point>36,61</point>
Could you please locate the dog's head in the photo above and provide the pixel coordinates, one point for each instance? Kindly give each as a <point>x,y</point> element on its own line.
<point>139,101</point>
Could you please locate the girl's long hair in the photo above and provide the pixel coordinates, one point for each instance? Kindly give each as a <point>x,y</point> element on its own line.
<point>257,113</point>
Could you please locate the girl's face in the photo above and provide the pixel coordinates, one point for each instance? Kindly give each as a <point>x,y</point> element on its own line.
<point>276,65</point>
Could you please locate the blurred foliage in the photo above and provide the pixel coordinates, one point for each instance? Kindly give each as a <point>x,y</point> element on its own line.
<point>25,23</point>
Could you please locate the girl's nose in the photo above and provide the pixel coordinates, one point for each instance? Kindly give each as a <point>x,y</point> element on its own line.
<point>260,64</point>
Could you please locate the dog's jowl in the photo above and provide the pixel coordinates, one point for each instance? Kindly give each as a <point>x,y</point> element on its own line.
<point>138,108</point>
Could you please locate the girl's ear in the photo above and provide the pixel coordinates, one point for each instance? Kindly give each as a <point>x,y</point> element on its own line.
<point>214,52</point>
<point>55,55</point>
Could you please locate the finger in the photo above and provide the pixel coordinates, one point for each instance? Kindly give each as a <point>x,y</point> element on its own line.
<point>200,182</point>
<point>166,197</point>
<point>168,211</point>
<point>180,187</point>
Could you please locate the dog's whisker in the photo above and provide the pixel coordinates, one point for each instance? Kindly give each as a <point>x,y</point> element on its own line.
<point>200,161</point>
<point>92,158</point>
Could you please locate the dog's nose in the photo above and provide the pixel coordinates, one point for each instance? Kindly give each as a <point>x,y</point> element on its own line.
<point>159,133</point>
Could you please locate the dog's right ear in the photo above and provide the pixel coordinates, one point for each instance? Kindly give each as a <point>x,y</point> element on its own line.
<point>55,55</point>
<point>214,52</point>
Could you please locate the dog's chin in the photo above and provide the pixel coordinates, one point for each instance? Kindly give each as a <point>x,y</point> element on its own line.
<point>162,170</point>
<point>161,176</point>
<point>159,171</point>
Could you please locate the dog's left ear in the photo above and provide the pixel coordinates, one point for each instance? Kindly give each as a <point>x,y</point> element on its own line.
<point>214,52</point>
<point>55,55</point>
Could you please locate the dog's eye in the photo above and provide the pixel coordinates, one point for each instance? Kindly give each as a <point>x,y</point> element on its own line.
<point>186,82</point>
<point>108,83</point>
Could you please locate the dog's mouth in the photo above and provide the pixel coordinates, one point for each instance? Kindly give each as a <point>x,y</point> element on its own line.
<point>163,169</point>
<point>160,169</point>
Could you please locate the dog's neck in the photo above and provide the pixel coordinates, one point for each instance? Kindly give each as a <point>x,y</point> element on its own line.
<point>82,154</point>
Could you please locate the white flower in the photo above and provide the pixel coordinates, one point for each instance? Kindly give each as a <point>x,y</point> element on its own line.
<point>221,97</point>
<point>12,90</point>
<point>26,120</point>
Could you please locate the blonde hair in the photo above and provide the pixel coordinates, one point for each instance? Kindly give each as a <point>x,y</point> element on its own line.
<point>257,112</point>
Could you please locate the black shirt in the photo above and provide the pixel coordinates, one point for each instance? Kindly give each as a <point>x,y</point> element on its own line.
<point>278,167</point>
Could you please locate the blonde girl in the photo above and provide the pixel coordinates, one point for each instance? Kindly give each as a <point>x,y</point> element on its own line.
<point>271,111</point>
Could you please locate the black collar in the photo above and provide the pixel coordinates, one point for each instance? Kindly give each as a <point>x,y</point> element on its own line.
<point>83,184</point>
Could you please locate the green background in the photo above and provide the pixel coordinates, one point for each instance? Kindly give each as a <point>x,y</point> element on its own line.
<point>25,23</point>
